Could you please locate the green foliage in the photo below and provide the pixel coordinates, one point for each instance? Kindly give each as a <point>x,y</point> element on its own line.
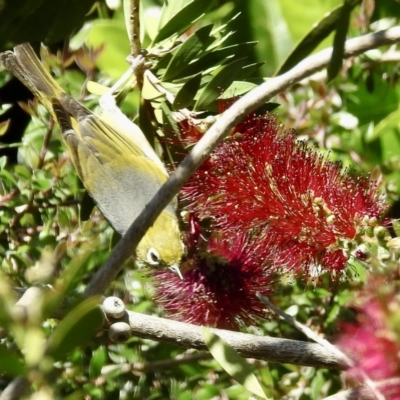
<point>200,52</point>
<point>43,20</point>
<point>232,363</point>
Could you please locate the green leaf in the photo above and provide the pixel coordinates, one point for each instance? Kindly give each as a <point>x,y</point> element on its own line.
<point>4,127</point>
<point>10,364</point>
<point>311,40</point>
<point>77,328</point>
<point>187,92</point>
<point>222,79</point>
<point>217,57</point>
<point>183,19</point>
<point>175,150</point>
<point>188,51</point>
<point>277,27</point>
<point>40,20</point>
<point>99,358</point>
<point>110,36</point>
<point>149,91</point>
<point>396,227</point>
<point>237,88</point>
<point>372,106</point>
<point>266,22</point>
<point>342,27</point>
<point>390,122</point>
<point>232,363</point>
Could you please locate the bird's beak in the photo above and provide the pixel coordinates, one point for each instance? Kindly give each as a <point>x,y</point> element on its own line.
<point>175,270</point>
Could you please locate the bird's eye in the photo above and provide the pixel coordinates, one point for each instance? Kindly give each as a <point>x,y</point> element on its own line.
<point>153,258</point>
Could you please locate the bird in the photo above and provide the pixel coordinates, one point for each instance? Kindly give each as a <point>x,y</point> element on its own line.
<point>115,162</point>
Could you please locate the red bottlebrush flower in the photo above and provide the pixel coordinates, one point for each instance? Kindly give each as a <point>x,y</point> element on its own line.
<point>302,208</point>
<point>220,288</point>
<point>374,342</point>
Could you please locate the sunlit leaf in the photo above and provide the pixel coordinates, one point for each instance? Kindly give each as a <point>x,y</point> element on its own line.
<point>149,92</point>
<point>4,126</point>
<point>109,36</point>
<point>311,40</point>
<point>232,363</point>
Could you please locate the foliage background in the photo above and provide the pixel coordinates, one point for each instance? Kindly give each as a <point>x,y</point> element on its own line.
<point>355,118</point>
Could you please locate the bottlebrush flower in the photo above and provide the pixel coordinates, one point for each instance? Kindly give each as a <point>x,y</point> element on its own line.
<point>374,342</point>
<point>301,210</point>
<point>219,289</point>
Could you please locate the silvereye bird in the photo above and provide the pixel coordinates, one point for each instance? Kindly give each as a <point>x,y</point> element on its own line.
<point>114,160</point>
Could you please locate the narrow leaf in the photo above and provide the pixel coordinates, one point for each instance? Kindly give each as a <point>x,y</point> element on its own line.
<point>237,88</point>
<point>216,57</point>
<point>342,27</point>
<point>183,19</point>
<point>223,78</point>
<point>187,92</point>
<point>390,122</point>
<point>4,126</point>
<point>318,33</point>
<point>188,51</point>
<point>232,363</point>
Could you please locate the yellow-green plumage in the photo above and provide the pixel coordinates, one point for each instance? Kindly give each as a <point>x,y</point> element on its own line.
<point>113,159</point>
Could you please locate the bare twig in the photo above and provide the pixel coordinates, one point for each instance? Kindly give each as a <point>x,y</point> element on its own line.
<point>158,365</point>
<point>358,393</point>
<point>214,135</point>
<point>134,31</point>
<point>327,345</point>
<point>364,392</point>
<point>305,330</point>
<point>46,141</point>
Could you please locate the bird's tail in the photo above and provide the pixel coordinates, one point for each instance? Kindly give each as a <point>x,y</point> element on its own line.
<point>24,64</point>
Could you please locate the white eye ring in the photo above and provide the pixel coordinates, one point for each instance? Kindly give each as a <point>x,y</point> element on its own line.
<point>153,257</point>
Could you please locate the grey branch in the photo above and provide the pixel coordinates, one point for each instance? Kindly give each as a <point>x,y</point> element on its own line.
<point>232,116</point>
<point>248,345</point>
<point>358,393</point>
<point>15,390</point>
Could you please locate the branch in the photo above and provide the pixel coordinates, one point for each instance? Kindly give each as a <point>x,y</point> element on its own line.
<point>364,392</point>
<point>15,390</point>
<point>236,113</point>
<point>134,27</point>
<point>324,343</point>
<point>358,393</point>
<point>305,330</point>
<point>250,346</point>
